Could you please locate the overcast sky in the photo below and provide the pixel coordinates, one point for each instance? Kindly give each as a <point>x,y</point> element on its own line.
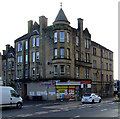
<point>100,17</point>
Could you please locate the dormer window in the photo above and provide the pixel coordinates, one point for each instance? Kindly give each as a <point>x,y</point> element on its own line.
<point>62,36</point>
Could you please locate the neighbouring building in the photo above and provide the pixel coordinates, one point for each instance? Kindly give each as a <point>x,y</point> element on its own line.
<point>1,82</point>
<point>8,66</point>
<point>57,61</point>
<point>102,70</point>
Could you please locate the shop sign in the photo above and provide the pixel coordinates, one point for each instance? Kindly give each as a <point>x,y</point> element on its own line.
<point>86,81</point>
<point>71,86</point>
<point>61,86</point>
<point>67,83</point>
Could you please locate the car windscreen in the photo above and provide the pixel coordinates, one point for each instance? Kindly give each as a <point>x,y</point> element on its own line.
<point>87,95</point>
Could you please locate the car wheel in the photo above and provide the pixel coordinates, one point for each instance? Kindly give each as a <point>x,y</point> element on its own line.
<point>92,101</point>
<point>100,101</point>
<point>19,105</point>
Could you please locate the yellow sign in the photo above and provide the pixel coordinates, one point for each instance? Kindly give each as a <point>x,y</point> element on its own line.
<point>71,86</point>
<point>61,86</point>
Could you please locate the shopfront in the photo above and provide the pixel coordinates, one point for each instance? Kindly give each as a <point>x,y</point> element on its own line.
<point>68,90</point>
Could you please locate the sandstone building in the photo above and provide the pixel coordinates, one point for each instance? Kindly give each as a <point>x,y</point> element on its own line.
<point>61,59</point>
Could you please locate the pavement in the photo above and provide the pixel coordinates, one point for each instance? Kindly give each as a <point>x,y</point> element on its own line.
<point>58,102</point>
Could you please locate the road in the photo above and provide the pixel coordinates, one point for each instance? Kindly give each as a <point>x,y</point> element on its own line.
<point>106,108</point>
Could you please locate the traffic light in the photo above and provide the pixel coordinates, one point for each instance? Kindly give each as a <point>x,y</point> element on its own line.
<point>118,85</point>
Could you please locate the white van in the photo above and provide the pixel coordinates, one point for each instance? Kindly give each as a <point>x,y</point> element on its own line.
<point>9,97</point>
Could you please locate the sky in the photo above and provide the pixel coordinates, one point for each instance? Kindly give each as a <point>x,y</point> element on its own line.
<point>100,17</point>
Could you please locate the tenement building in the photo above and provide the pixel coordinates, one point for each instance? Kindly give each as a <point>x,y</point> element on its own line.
<point>58,61</point>
<point>8,66</point>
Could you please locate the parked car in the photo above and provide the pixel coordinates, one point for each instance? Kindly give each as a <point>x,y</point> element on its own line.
<point>91,98</point>
<point>9,97</point>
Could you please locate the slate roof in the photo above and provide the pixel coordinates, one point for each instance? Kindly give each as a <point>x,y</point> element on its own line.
<point>61,16</point>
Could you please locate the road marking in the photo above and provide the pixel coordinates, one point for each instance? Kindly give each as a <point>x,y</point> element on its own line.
<point>42,112</point>
<point>104,109</point>
<point>54,110</point>
<point>24,115</point>
<point>38,105</point>
<point>76,116</point>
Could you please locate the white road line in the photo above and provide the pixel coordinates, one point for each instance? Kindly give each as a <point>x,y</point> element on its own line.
<point>104,109</point>
<point>54,110</point>
<point>76,116</point>
<point>42,112</point>
<point>38,105</point>
<point>24,115</point>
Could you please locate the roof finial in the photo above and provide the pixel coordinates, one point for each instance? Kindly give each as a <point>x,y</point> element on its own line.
<point>61,4</point>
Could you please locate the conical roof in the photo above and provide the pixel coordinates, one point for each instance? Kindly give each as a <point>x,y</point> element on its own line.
<point>61,17</point>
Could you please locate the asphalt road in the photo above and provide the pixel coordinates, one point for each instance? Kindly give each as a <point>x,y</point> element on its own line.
<point>107,108</point>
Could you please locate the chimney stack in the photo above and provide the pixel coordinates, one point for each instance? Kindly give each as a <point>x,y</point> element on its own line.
<point>30,25</point>
<point>80,26</point>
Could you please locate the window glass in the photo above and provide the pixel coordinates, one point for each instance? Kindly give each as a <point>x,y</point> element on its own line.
<point>61,52</point>
<point>33,56</point>
<point>26,44</point>
<point>77,41</point>
<point>33,42</point>
<point>37,71</point>
<point>94,64</point>
<point>20,58</point>
<point>62,35</point>
<point>33,72</point>
<point>86,43</point>
<point>20,46</point>
<point>94,76</point>
<point>68,70</point>
<point>55,70</point>
<point>55,37</point>
<point>62,69</point>
<point>68,37</point>
<point>76,55</point>
<point>37,41</point>
<point>13,93</point>
<point>86,73</point>
<point>26,59</point>
<point>37,55</point>
<point>26,72</point>
<point>77,71</point>
<point>55,53</point>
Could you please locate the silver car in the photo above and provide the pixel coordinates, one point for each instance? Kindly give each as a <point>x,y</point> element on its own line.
<point>91,98</point>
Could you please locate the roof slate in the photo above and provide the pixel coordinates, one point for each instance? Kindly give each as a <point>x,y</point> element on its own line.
<point>61,16</point>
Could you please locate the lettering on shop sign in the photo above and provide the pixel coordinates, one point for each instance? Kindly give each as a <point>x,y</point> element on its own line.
<point>32,93</point>
<point>52,93</point>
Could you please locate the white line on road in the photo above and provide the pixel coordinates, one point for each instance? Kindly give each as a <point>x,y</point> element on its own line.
<point>54,110</point>
<point>42,112</point>
<point>76,116</point>
<point>24,115</point>
<point>104,109</point>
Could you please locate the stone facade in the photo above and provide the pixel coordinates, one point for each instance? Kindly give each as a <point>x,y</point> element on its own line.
<point>59,53</point>
<point>8,66</point>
